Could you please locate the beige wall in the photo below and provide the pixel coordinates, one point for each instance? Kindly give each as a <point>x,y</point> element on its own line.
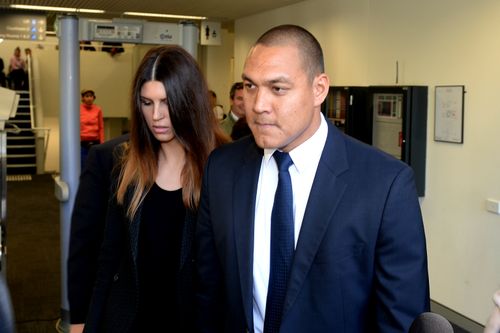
<point>110,78</point>
<point>435,43</point>
<point>217,62</point>
<point>447,42</point>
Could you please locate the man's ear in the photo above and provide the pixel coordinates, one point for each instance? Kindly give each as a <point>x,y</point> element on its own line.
<point>321,85</point>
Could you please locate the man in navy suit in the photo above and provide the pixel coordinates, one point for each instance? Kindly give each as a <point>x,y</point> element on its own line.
<point>359,263</point>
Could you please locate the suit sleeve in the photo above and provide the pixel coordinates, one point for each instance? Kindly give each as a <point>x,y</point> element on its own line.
<point>209,273</point>
<point>87,227</point>
<point>401,276</point>
<point>110,259</point>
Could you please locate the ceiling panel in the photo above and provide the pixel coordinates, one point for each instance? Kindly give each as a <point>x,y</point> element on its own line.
<point>220,10</point>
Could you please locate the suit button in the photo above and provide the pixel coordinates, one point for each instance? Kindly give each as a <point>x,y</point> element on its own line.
<point>115,277</point>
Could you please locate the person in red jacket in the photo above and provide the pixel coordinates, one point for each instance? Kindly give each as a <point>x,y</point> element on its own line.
<point>91,124</point>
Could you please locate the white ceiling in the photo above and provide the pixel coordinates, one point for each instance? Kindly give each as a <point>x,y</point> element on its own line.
<point>218,10</point>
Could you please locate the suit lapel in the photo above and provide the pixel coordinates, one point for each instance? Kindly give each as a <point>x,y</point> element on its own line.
<point>243,211</point>
<point>326,192</point>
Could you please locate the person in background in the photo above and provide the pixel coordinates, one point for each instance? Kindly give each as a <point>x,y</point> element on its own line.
<point>341,249</point>
<point>112,48</point>
<point>493,324</point>
<point>217,108</point>
<point>3,77</point>
<point>17,67</point>
<point>86,45</point>
<point>28,61</point>
<point>27,52</point>
<point>87,225</point>
<point>91,124</point>
<point>145,277</point>
<point>237,110</point>
<point>240,129</point>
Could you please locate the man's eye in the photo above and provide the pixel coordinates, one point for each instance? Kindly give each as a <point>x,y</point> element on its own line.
<point>249,85</point>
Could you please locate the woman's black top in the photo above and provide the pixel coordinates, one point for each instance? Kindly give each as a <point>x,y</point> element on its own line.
<point>160,236</point>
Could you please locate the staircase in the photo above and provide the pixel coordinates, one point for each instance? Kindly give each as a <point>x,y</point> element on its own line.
<point>21,140</point>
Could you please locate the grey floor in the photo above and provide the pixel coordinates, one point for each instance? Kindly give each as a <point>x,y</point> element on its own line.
<point>33,254</point>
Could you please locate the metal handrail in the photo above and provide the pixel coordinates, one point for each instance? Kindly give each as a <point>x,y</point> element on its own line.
<point>32,110</point>
<point>31,89</point>
<point>46,134</point>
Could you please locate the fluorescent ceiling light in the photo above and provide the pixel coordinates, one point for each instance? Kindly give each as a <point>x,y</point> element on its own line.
<point>59,9</point>
<point>92,11</point>
<point>188,17</point>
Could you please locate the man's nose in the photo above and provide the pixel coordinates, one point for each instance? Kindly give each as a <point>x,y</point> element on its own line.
<point>261,103</point>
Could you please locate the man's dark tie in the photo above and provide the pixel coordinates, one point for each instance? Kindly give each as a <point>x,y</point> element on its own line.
<point>282,244</point>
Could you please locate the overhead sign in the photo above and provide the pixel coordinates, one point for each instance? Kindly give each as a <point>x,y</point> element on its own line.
<point>210,33</point>
<point>26,27</point>
<point>161,33</point>
<point>135,32</point>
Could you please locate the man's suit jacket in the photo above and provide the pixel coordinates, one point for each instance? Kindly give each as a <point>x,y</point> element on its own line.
<point>360,262</point>
<point>87,225</point>
<point>228,123</point>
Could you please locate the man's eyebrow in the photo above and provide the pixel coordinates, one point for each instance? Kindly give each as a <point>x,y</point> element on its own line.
<point>245,78</point>
<point>279,79</point>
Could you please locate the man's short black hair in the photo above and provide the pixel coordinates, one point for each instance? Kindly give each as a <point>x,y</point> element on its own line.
<point>234,87</point>
<point>307,45</point>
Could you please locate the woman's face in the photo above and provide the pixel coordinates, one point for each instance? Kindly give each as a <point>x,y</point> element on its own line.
<point>155,110</point>
<point>88,99</point>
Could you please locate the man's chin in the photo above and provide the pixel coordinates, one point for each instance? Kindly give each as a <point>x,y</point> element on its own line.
<point>264,142</point>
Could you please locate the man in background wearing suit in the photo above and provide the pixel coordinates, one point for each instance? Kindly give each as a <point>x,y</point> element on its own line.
<point>87,227</point>
<point>358,261</point>
<point>237,110</point>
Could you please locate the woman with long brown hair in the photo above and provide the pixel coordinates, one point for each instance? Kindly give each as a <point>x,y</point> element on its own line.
<point>145,278</point>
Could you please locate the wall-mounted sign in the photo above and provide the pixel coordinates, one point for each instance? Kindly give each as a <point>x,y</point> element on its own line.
<point>26,27</point>
<point>210,33</point>
<point>449,114</point>
<point>161,33</point>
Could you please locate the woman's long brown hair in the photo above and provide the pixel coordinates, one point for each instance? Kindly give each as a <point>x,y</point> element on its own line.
<point>193,121</point>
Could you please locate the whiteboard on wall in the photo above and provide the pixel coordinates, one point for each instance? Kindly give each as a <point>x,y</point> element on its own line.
<point>449,114</point>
